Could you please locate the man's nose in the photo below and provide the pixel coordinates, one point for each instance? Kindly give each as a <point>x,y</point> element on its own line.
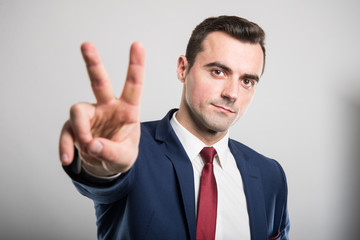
<point>231,90</point>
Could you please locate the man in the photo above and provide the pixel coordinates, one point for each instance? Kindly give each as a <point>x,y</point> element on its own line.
<point>180,177</point>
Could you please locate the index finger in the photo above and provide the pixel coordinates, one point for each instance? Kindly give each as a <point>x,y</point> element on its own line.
<point>135,76</point>
<point>100,82</point>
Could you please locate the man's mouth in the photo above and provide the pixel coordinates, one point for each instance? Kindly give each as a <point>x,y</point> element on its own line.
<point>223,109</point>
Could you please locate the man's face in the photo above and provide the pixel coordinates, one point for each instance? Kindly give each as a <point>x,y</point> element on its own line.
<point>220,84</point>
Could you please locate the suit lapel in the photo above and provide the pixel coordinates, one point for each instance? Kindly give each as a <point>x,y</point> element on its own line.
<point>254,193</point>
<point>175,152</point>
<point>250,174</point>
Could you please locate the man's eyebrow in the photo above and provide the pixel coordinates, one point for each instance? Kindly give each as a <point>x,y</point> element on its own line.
<point>219,65</point>
<point>227,69</point>
<point>250,76</point>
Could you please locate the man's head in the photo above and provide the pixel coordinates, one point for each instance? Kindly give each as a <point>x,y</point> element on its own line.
<point>220,77</point>
<point>234,26</point>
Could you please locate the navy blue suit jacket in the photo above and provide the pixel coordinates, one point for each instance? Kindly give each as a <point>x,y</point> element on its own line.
<point>155,198</point>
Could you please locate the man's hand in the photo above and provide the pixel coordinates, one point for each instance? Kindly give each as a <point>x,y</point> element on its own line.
<point>107,133</point>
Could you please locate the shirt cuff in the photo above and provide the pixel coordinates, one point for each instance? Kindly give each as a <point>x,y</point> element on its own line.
<point>96,176</point>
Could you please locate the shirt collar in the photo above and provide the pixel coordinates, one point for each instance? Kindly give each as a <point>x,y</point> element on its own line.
<point>193,145</point>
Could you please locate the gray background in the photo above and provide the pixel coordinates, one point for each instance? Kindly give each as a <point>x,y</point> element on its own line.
<point>306,112</point>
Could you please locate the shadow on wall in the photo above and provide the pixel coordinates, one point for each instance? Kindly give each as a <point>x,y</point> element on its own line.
<point>351,178</point>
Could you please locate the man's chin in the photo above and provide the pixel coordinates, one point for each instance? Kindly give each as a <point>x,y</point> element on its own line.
<point>219,126</point>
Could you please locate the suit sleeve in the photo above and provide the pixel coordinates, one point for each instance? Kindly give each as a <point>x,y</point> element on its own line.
<point>98,189</point>
<point>285,221</point>
<point>285,226</point>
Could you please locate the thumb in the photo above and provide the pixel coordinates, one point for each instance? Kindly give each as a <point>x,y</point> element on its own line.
<point>109,152</point>
<point>95,147</point>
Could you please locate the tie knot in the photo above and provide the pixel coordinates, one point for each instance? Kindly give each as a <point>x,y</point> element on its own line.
<point>207,154</point>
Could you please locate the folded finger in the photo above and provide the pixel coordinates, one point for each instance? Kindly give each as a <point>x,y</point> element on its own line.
<point>66,144</point>
<point>80,120</point>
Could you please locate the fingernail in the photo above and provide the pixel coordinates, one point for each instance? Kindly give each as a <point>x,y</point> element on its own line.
<point>96,147</point>
<point>64,158</point>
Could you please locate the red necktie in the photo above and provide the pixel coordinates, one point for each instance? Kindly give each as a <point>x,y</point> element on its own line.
<point>207,208</point>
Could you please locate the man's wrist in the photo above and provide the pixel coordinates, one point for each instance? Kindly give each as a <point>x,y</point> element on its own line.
<point>98,171</point>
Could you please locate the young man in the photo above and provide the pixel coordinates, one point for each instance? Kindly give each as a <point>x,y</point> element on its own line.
<point>180,177</point>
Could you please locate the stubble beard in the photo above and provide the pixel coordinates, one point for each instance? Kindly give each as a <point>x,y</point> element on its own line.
<point>211,122</point>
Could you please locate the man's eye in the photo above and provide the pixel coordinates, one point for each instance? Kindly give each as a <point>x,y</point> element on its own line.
<point>218,72</point>
<point>247,83</point>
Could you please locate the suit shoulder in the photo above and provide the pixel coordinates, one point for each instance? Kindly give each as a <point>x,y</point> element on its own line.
<point>149,127</point>
<point>247,151</point>
<point>270,171</point>
<point>255,158</point>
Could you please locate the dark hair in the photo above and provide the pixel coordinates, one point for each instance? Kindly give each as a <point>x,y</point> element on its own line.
<point>239,28</point>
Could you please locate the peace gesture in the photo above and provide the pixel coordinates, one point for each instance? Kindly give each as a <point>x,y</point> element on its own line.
<point>107,133</point>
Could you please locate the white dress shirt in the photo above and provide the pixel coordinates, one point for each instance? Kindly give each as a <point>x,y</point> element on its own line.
<point>232,217</point>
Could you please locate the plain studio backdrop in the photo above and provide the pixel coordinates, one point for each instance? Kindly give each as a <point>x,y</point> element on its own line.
<point>305,114</point>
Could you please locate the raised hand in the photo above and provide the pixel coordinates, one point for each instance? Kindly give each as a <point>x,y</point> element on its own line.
<point>107,133</point>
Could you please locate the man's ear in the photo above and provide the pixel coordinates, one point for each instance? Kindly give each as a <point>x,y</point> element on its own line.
<point>181,70</point>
